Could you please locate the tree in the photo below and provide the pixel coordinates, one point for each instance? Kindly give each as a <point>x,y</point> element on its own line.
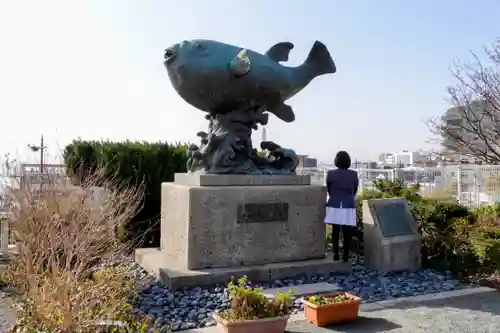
<point>396,188</point>
<point>472,127</point>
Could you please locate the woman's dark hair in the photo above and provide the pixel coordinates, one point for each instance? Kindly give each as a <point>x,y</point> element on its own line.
<point>342,160</point>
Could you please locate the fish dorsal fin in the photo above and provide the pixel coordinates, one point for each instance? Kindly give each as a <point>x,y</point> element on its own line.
<point>241,64</point>
<point>283,112</point>
<point>279,52</point>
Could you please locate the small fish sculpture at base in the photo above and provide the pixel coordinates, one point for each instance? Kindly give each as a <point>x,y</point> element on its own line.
<point>238,87</point>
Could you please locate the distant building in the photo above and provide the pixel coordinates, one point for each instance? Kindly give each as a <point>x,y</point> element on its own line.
<point>457,121</point>
<point>307,162</point>
<point>31,175</point>
<point>364,165</point>
<point>454,120</point>
<point>387,158</point>
<point>400,158</point>
<point>406,158</point>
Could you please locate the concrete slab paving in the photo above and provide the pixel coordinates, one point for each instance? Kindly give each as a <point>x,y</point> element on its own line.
<point>304,289</point>
<point>473,310</point>
<point>475,313</point>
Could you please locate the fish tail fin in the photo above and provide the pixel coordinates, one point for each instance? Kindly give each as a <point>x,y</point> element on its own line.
<point>319,61</point>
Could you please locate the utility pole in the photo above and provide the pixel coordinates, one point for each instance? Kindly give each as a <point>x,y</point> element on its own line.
<point>40,148</point>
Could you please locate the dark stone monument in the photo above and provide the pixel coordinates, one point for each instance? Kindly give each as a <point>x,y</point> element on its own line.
<point>236,87</point>
<point>390,234</point>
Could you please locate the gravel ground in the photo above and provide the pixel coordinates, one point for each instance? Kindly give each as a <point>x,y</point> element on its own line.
<point>191,308</point>
<point>478,313</point>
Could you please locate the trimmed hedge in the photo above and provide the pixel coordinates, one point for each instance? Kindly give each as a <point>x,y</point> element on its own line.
<point>131,163</point>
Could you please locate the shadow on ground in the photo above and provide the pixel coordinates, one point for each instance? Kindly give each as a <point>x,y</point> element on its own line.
<point>471,313</point>
<point>362,324</point>
<point>483,302</point>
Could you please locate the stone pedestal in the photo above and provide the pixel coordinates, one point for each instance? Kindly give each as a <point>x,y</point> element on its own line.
<point>390,235</point>
<point>217,226</point>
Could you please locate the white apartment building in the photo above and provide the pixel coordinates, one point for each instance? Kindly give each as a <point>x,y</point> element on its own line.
<point>403,157</point>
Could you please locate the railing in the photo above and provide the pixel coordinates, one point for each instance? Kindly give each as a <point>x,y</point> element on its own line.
<point>471,185</point>
<point>4,234</point>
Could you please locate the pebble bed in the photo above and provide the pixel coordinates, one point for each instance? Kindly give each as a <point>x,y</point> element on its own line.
<point>192,308</point>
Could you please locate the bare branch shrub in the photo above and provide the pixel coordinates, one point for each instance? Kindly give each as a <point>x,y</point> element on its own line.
<point>62,236</point>
<point>474,129</point>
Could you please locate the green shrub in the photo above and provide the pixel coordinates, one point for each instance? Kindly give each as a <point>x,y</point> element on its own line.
<point>130,163</point>
<point>329,299</point>
<point>485,242</point>
<point>440,214</point>
<point>445,241</point>
<point>487,210</point>
<point>249,303</point>
<point>396,188</point>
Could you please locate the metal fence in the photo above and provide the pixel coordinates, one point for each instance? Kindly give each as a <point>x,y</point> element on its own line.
<point>28,175</point>
<point>4,233</point>
<point>471,185</point>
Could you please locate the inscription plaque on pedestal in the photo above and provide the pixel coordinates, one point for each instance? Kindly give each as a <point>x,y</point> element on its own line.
<point>393,217</point>
<point>263,212</point>
<point>391,238</point>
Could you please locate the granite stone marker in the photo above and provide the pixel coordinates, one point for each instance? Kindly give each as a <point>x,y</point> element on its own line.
<point>211,233</point>
<point>393,218</point>
<point>390,234</point>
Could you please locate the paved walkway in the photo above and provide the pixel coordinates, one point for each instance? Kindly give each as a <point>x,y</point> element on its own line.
<point>463,311</point>
<point>7,317</point>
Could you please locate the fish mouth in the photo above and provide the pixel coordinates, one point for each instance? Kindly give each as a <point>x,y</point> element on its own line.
<point>170,54</point>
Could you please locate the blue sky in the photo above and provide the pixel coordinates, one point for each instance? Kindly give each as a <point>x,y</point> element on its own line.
<point>93,69</point>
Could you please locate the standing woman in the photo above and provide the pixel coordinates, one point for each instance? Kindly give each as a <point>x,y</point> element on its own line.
<point>342,186</point>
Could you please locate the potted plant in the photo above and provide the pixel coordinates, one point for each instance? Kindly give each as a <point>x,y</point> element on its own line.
<point>332,308</point>
<point>251,311</point>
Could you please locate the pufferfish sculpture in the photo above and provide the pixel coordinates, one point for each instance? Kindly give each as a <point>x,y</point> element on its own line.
<point>236,87</point>
<point>216,77</point>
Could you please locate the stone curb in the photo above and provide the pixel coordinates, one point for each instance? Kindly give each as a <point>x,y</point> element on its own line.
<point>365,307</point>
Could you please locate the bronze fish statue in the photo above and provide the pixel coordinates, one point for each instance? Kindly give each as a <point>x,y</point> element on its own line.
<point>217,78</point>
